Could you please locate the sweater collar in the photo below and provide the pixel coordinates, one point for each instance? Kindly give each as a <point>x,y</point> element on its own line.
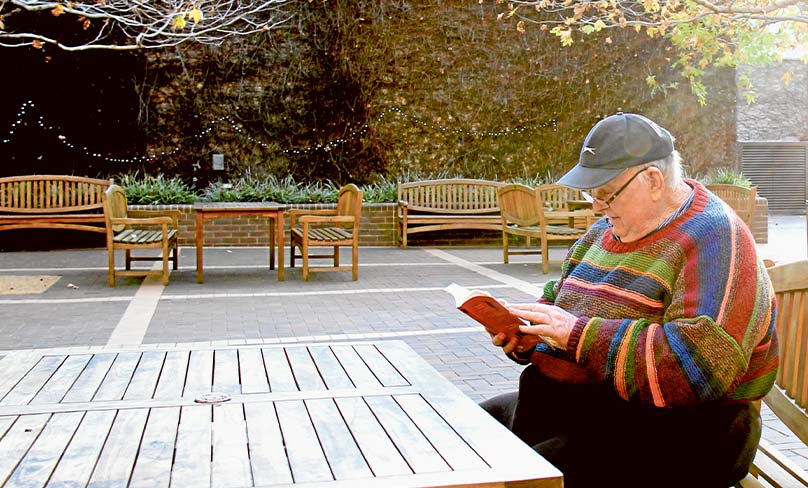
<point>697,203</point>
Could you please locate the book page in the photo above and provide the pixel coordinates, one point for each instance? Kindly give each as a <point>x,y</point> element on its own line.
<point>485,309</point>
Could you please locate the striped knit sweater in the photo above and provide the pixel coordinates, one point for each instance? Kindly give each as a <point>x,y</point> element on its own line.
<point>681,317</point>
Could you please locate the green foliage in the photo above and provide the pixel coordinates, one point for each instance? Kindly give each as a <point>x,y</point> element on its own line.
<point>155,190</point>
<point>725,176</point>
<point>471,97</point>
<point>382,190</point>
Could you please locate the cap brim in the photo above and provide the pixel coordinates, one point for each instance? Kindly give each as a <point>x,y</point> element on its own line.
<point>586,178</point>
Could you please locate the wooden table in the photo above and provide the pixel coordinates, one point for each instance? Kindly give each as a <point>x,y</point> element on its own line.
<point>211,210</point>
<point>370,414</point>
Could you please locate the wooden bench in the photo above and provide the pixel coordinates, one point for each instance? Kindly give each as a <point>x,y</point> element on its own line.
<point>431,205</point>
<point>789,396</point>
<point>52,202</point>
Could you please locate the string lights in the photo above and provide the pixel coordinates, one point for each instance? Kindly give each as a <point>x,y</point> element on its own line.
<point>27,110</point>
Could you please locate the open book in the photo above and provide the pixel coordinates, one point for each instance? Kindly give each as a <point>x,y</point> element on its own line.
<point>487,310</point>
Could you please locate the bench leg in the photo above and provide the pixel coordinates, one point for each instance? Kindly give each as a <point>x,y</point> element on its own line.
<point>355,260</point>
<point>111,267</point>
<point>304,250</point>
<point>166,252</point>
<point>505,248</point>
<point>336,256</point>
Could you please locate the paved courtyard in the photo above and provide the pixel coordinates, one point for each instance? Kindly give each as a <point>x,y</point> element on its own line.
<point>399,295</point>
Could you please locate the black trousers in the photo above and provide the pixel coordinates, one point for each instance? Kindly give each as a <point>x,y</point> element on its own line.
<point>597,439</point>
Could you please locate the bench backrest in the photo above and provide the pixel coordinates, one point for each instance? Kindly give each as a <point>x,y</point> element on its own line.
<point>453,196</point>
<point>42,194</point>
<point>789,398</point>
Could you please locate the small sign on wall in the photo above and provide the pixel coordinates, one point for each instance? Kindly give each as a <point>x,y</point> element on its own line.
<point>218,162</point>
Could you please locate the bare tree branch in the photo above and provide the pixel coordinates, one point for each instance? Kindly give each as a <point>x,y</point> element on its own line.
<point>141,24</point>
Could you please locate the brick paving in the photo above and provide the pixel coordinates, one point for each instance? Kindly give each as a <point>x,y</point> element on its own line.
<point>398,295</point>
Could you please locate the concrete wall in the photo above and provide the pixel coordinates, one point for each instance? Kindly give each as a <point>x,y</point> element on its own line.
<point>780,110</point>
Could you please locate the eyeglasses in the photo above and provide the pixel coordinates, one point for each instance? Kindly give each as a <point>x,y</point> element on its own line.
<point>607,203</point>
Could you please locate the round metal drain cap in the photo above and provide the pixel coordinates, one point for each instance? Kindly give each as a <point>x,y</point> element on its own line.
<point>214,397</point>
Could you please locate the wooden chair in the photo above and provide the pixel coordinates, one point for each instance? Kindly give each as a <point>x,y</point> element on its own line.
<point>522,214</point>
<point>328,227</point>
<point>138,229</point>
<point>560,200</point>
<point>789,397</point>
<point>741,199</point>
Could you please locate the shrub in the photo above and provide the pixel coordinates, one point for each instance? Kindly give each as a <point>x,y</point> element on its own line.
<point>725,176</point>
<point>158,190</point>
<point>155,190</point>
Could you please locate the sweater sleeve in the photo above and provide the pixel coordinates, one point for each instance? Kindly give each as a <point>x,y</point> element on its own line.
<point>714,341</point>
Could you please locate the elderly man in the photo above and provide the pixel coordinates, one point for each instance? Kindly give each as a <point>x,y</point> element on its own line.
<point>663,327</point>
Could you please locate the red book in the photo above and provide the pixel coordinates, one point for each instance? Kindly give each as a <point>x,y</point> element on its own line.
<point>485,309</point>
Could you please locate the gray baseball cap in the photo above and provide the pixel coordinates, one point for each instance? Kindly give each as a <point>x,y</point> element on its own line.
<point>615,143</point>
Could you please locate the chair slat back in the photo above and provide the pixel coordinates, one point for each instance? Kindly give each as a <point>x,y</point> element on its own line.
<point>349,203</point>
<point>790,281</point>
<point>556,196</point>
<point>741,199</point>
<point>518,204</point>
<point>115,206</point>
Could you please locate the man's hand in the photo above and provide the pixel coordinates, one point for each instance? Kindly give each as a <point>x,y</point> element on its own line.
<point>519,344</point>
<point>552,324</point>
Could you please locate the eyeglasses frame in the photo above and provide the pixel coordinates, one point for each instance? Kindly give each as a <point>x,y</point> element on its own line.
<point>608,203</point>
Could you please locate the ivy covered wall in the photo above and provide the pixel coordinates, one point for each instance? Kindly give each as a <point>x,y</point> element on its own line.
<point>354,89</point>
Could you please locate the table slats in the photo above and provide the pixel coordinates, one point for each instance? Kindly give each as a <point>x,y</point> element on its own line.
<point>342,415</point>
<point>153,467</point>
<point>194,437</point>
<point>267,452</point>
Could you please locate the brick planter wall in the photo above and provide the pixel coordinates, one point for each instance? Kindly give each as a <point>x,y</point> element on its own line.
<point>760,222</point>
<point>377,228</point>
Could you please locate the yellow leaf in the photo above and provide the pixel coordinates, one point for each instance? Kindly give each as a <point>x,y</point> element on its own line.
<point>36,43</point>
<point>520,26</point>
<point>787,77</point>
<point>57,10</point>
<point>195,15</point>
<point>179,21</point>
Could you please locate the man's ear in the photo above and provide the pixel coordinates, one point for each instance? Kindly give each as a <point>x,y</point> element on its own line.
<point>656,180</point>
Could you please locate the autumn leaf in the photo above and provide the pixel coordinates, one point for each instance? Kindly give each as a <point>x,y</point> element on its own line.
<point>520,27</point>
<point>57,10</point>
<point>86,24</point>
<point>36,43</point>
<point>195,15</point>
<point>787,77</point>
<point>179,22</point>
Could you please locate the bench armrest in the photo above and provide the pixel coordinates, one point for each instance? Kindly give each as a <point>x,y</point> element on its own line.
<point>142,221</point>
<point>325,219</point>
<point>296,213</point>
<point>174,215</point>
